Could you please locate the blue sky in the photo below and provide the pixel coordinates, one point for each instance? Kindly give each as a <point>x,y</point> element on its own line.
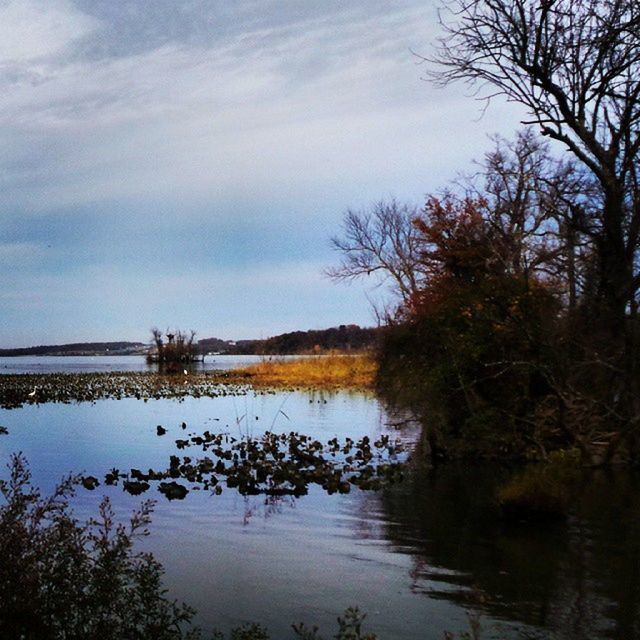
<point>185,163</point>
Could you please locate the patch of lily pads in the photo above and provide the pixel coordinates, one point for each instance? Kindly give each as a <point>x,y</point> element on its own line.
<point>285,464</point>
<point>17,390</point>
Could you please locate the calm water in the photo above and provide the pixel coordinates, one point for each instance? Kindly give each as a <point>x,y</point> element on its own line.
<point>92,364</point>
<point>416,556</point>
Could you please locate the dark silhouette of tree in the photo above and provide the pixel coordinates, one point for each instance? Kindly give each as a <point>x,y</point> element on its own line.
<point>179,347</point>
<point>575,66</point>
<point>62,579</point>
<point>382,243</point>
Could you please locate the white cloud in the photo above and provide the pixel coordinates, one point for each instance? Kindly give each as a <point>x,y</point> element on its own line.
<point>32,29</point>
<point>295,120</point>
<point>330,102</point>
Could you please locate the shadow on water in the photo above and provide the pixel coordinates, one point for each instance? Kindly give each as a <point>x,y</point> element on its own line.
<point>575,579</point>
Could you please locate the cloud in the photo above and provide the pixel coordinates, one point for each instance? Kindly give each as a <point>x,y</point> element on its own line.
<point>187,161</point>
<point>32,31</point>
<point>252,111</point>
<point>16,255</point>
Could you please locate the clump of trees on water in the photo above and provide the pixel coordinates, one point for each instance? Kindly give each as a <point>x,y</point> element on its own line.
<point>515,327</point>
<point>173,347</point>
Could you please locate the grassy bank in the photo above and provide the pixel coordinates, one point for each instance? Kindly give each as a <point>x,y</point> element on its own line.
<point>326,372</point>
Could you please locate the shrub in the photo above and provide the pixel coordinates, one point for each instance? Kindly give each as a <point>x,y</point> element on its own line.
<point>63,579</point>
<point>542,491</point>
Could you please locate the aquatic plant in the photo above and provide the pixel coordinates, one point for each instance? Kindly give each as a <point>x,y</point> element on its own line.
<point>323,372</point>
<point>273,464</point>
<point>349,628</point>
<point>16,390</point>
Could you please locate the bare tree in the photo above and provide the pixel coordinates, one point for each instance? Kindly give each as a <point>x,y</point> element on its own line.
<point>534,203</point>
<point>575,65</point>
<point>179,346</point>
<point>382,243</point>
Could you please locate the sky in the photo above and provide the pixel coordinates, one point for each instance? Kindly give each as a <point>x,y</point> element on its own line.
<point>184,163</point>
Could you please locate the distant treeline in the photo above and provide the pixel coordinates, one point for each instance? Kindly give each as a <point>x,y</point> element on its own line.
<point>343,338</point>
<point>78,349</point>
<point>348,337</point>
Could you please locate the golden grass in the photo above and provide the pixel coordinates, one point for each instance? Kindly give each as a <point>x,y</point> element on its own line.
<point>326,372</point>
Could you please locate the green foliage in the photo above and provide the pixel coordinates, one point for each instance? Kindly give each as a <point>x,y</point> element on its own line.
<point>63,579</point>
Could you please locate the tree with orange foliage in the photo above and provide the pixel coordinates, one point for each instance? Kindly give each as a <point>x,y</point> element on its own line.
<point>474,335</point>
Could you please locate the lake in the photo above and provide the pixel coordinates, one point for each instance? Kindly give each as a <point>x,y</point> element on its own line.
<point>95,364</point>
<point>415,556</point>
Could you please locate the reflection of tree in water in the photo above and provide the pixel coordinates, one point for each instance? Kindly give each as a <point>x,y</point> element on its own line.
<point>579,579</point>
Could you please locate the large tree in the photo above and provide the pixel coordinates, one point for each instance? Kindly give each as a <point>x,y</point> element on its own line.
<point>575,65</point>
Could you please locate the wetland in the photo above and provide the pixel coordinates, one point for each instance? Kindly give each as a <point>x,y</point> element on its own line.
<point>297,503</point>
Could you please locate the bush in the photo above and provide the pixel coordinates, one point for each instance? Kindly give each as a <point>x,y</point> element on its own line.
<point>542,491</point>
<point>63,579</point>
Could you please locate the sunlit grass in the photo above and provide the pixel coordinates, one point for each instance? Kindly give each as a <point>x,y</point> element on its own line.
<point>327,371</point>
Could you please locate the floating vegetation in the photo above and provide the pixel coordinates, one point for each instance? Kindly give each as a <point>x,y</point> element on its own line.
<point>273,465</point>
<point>326,372</point>
<point>20,389</point>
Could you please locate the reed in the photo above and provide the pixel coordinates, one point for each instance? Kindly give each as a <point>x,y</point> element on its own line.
<point>325,372</point>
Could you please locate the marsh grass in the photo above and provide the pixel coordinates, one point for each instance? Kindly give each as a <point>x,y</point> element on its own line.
<point>542,491</point>
<point>332,371</point>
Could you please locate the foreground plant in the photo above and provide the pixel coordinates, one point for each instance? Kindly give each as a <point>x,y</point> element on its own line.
<point>349,628</point>
<point>63,579</point>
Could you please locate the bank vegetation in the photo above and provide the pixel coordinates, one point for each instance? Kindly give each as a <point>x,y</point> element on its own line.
<point>514,331</point>
<point>330,371</point>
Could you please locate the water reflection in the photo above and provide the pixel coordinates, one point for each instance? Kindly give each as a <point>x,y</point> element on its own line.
<point>579,579</point>
<point>414,556</point>
<point>95,364</point>
<point>265,508</point>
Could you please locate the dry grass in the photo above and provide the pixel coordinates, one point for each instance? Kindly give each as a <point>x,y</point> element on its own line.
<point>326,372</point>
